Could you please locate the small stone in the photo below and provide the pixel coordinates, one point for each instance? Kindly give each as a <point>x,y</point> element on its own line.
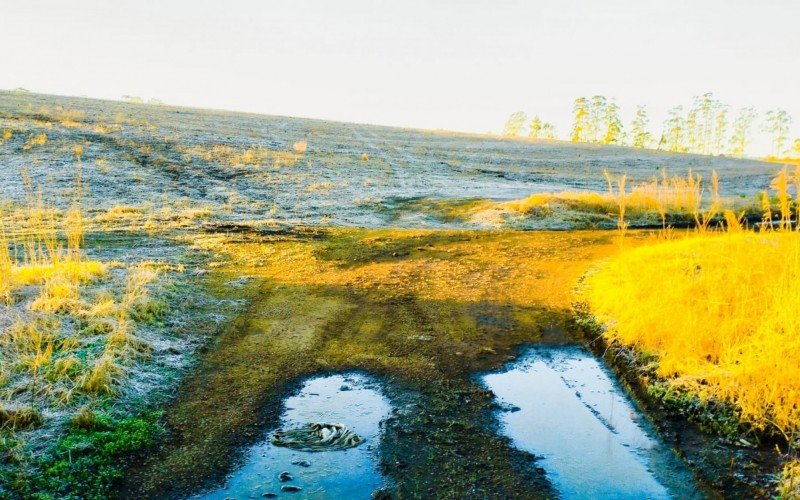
<point>284,476</point>
<point>290,488</point>
<point>302,463</point>
<point>269,494</point>
<point>344,388</point>
<point>508,407</point>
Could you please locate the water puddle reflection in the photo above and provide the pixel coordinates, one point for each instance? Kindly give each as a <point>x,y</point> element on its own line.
<point>563,405</point>
<point>351,399</point>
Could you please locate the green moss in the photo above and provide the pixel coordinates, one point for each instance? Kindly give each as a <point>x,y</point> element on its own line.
<point>86,462</point>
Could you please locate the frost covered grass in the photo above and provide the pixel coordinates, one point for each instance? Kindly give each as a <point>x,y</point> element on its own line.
<point>68,322</point>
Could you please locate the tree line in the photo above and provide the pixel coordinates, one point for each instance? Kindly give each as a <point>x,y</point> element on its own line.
<point>706,127</point>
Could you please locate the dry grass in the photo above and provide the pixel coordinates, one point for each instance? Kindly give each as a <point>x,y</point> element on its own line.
<point>57,304</point>
<point>254,156</point>
<point>718,310</point>
<point>662,196</point>
<point>35,140</point>
<point>789,483</point>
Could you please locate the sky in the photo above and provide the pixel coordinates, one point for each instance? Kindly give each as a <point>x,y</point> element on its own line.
<point>453,64</point>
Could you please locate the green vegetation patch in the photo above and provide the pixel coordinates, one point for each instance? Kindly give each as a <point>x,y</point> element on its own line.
<point>88,460</point>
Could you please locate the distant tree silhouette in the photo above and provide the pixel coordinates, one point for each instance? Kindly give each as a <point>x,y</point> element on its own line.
<point>720,130</point>
<point>674,135</point>
<point>535,128</point>
<point>703,128</point>
<point>640,137</point>
<point>515,124</point>
<point>706,125</point>
<point>613,125</point>
<point>741,134</point>
<point>548,131</point>
<point>541,130</point>
<point>777,125</point>
<point>580,112</point>
<point>597,119</point>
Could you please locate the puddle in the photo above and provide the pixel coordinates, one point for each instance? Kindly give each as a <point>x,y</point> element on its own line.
<point>564,406</point>
<point>352,399</point>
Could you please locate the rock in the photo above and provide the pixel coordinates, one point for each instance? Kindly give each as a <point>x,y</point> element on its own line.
<point>302,463</point>
<point>507,407</point>
<point>284,476</point>
<point>269,495</point>
<point>290,488</point>
<point>344,388</point>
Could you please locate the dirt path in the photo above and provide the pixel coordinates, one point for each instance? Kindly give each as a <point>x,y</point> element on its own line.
<point>425,309</point>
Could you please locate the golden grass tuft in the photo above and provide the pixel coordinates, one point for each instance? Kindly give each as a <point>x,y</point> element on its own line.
<point>253,156</point>
<point>35,140</point>
<point>662,196</point>
<point>789,482</point>
<point>718,310</point>
<point>24,417</point>
<point>104,377</point>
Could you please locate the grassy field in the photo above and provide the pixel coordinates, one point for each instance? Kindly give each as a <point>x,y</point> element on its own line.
<point>167,275</point>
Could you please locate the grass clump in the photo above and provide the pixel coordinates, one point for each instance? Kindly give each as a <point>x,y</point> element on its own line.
<point>35,140</point>
<point>722,323</point>
<point>662,201</point>
<point>22,417</point>
<point>256,156</point>
<point>789,481</point>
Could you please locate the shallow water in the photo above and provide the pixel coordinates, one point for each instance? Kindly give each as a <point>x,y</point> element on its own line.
<point>348,473</point>
<point>564,406</point>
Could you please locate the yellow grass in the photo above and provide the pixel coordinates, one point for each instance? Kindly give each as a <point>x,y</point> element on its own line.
<point>789,484</point>
<point>678,195</point>
<point>719,310</point>
<point>35,140</point>
<point>254,156</point>
<point>45,255</point>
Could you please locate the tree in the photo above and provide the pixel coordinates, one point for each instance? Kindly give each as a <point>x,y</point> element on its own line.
<point>579,112</point>
<point>720,130</point>
<point>535,128</point>
<point>742,131</point>
<point>548,131</point>
<point>796,149</point>
<point>515,124</point>
<point>674,135</point>
<point>640,137</point>
<point>706,125</point>
<point>613,125</point>
<point>597,119</point>
<point>541,130</point>
<point>777,124</point>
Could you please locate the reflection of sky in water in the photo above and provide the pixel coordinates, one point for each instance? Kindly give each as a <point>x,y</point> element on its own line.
<point>592,441</point>
<point>349,473</point>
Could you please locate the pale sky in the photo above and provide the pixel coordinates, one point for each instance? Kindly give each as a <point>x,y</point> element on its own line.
<point>454,64</point>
